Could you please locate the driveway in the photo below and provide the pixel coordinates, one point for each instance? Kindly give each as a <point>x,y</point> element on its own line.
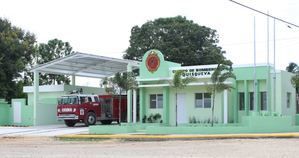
<point>46,130</point>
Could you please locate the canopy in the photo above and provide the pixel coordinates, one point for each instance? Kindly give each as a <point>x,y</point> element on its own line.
<point>86,65</point>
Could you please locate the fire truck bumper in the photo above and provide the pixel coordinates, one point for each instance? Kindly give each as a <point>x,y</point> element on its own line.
<point>67,117</point>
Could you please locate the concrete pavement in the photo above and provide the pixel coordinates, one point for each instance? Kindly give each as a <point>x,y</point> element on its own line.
<point>180,137</point>
<point>47,130</point>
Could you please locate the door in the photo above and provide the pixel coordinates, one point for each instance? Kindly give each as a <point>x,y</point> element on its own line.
<point>181,109</point>
<point>17,112</point>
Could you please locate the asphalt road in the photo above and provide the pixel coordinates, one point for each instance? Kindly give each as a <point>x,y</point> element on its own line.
<point>45,147</point>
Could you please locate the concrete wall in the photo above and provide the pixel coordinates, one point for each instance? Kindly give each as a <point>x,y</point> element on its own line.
<point>201,114</point>
<point>4,112</point>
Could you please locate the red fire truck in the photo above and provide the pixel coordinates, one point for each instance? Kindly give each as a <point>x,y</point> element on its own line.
<point>89,109</point>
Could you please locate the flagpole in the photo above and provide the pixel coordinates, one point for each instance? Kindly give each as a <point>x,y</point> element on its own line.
<point>274,56</point>
<point>268,106</point>
<point>254,69</point>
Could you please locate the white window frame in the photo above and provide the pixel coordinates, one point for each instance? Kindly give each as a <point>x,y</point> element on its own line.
<point>203,100</point>
<point>157,106</point>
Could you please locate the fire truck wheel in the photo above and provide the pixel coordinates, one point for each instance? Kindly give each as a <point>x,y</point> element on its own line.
<point>70,123</point>
<point>90,119</point>
<point>106,122</point>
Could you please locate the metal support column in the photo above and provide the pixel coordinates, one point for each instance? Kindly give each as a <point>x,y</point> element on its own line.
<point>129,98</point>
<point>35,95</point>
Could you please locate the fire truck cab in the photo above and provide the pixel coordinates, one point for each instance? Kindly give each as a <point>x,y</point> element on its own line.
<point>86,108</point>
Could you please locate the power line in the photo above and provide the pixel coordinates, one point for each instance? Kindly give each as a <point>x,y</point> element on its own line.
<point>276,18</point>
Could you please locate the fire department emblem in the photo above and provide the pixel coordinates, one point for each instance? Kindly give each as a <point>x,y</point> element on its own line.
<point>152,62</point>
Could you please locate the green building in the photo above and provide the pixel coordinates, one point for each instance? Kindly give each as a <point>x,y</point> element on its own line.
<point>268,98</point>
<point>262,99</point>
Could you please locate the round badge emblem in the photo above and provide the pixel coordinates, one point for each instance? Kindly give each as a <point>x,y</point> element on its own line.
<point>152,62</point>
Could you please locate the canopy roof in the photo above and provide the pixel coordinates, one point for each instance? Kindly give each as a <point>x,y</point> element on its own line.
<point>87,65</point>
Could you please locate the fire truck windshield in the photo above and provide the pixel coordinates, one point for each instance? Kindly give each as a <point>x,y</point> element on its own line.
<point>68,100</point>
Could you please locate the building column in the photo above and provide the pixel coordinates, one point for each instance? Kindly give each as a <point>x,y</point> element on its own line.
<point>246,95</point>
<point>225,107</point>
<point>165,105</point>
<point>268,82</point>
<point>134,106</point>
<point>256,100</point>
<point>235,101</point>
<point>129,98</point>
<point>73,80</point>
<point>35,95</point>
<point>141,104</point>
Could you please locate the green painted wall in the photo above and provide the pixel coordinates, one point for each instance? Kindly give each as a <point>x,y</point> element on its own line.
<point>201,114</point>
<point>46,108</point>
<point>26,113</point>
<point>246,73</point>
<point>162,71</point>
<point>244,83</point>
<point>285,78</point>
<point>148,110</point>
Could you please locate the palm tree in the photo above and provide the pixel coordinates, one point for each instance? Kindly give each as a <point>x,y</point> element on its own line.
<point>119,83</point>
<point>221,74</point>
<point>292,67</point>
<point>179,83</point>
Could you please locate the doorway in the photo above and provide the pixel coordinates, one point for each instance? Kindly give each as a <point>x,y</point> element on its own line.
<point>181,109</point>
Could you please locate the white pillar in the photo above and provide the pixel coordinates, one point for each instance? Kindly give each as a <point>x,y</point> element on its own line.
<point>134,106</point>
<point>35,96</point>
<point>225,107</point>
<point>129,98</point>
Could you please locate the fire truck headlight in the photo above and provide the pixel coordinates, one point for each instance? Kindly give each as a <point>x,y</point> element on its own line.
<point>58,110</point>
<point>74,110</point>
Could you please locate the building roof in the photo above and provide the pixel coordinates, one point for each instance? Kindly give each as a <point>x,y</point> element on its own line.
<point>86,65</point>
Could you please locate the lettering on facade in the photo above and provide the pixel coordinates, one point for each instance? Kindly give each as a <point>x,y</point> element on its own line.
<point>196,72</point>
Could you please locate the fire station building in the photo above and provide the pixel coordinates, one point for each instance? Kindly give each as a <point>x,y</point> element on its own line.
<point>262,99</point>
<point>157,95</point>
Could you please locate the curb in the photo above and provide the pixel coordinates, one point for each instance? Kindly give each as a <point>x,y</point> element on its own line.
<point>179,137</point>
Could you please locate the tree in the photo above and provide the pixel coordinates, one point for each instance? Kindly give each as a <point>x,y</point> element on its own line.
<point>52,50</point>
<point>179,83</point>
<point>181,40</point>
<point>119,83</point>
<point>220,74</point>
<point>17,48</point>
<point>294,68</point>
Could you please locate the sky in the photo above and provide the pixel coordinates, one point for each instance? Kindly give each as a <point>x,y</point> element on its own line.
<point>103,26</point>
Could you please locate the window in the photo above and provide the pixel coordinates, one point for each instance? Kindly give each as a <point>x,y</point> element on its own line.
<point>207,100</point>
<point>96,99</point>
<point>156,101</point>
<point>288,99</point>
<point>241,101</point>
<point>251,100</point>
<point>263,100</point>
<point>89,99</point>
<point>198,100</point>
<point>203,100</point>
<point>82,100</point>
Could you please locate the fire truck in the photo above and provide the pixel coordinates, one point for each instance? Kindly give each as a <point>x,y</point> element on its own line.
<point>89,109</point>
